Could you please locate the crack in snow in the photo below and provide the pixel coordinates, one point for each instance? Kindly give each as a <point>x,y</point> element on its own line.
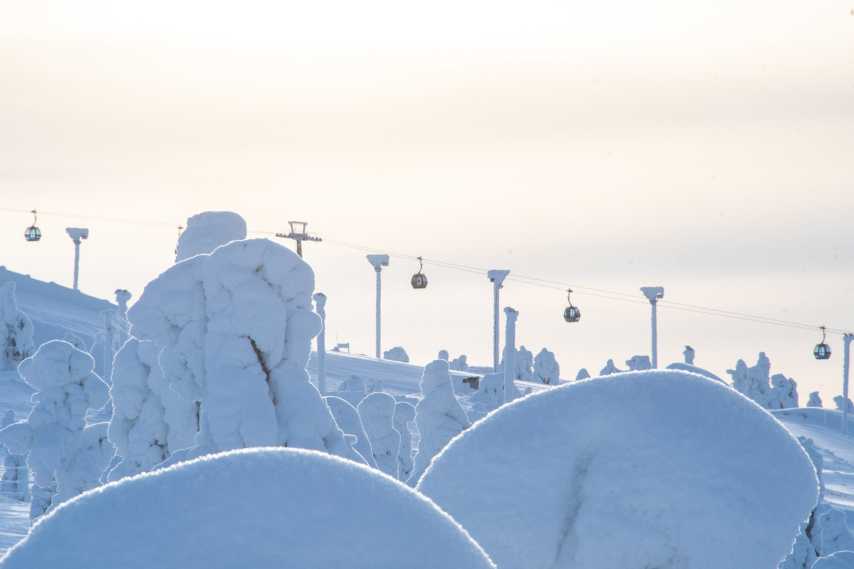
<point>267,374</point>
<point>568,540</point>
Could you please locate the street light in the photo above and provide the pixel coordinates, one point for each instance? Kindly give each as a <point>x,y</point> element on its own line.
<point>77,234</point>
<point>378,262</point>
<point>654,294</point>
<point>497,277</point>
<point>299,234</point>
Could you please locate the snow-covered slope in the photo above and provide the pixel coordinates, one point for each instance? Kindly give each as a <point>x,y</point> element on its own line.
<point>258,509</point>
<point>641,469</point>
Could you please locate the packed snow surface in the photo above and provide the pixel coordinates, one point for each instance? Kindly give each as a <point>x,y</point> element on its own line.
<point>256,508</point>
<point>636,470</point>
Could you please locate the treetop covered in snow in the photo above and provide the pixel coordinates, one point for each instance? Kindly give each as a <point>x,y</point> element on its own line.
<point>256,508</point>
<point>208,230</point>
<point>641,469</point>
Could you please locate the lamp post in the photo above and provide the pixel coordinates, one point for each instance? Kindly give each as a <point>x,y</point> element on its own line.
<point>654,294</point>
<point>77,234</point>
<point>299,233</point>
<point>846,369</point>
<point>378,262</point>
<point>496,276</point>
<point>320,306</point>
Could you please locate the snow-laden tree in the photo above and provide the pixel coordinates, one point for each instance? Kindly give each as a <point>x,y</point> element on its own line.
<point>815,400</point>
<point>65,456</point>
<point>377,414</point>
<point>609,369</point>
<point>582,374</point>
<point>438,415</point>
<point>689,354</point>
<point>753,382</point>
<point>235,328</point>
<point>841,403</point>
<point>404,414</point>
<point>524,364</point>
<point>396,354</point>
<point>150,420</point>
<point>444,355</point>
<point>208,230</point>
<point>16,329</point>
<point>489,395</point>
<point>355,388</point>
<point>783,393</point>
<point>459,363</point>
<point>348,420</point>
<point>639,363</point>
<point>546,368</point>
<point>15,481</point>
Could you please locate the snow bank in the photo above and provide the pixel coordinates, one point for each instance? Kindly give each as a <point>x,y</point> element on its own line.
<point>377,414</point>
<point>208,230</point>
<point>641,469</point>
<point>694,369</point>
<point>257,508</point>
<point>16,329</point>
<point>236,327</point>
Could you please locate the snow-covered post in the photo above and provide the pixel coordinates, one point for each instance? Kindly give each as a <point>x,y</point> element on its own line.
<point>654,294</point>
<point>77,234</point>
<point>846,368</point>
<point>320,308</point>
<point>509,352</point>
<point>496,276</point>
<point>378,262</point>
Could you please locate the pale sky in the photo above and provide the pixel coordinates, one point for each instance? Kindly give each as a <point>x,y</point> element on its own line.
<point>704,146</point>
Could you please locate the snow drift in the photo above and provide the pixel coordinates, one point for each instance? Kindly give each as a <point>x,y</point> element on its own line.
<point>258,509</point>
<point>641,469</point>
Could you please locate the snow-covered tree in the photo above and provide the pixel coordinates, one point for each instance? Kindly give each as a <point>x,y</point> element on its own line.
<point>784,392</point>
<point>444,355</point>
<point>639,363</point>
<point>815,400</point>
<point>65,456</point>
<point>208,230</point>
<point>235,328</point>
<point>524,364</point>
<point>348,420</point>
<point>546,368</point>
<point>438,415</point>
<point>15,481</point>
<point>753,382</point>
<point>396,354</point>
<point>689,354</point>
<point>609,369</point>
<point>377,413</point>
<point>460,363</point>
<point>404,414</point>
<point>841,403</point>
<point>16,329</point>
<point>582,374</point>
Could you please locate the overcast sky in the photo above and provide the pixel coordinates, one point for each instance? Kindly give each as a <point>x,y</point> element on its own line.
<point>704,146</point>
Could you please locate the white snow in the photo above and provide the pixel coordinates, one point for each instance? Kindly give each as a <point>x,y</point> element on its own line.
<point>348,420</point>
<point>377,414</point>
<point>839,560</point>
<point>815,400</point>
<point>438,415</point>
<point>777,392</point>
<point>694,369</point>
<point>208,230</point>
<point>396,354</point>
<point>546,368</point>
<point>16,329</point>
<point>641,469</point>
<point>639,363</point>
<point>258,509</point>
<point>404,415</point>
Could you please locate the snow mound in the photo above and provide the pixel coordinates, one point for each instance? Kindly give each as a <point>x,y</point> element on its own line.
<point>679,366</point>
<point>255,508</point>
<point>839,560</point>
<point>641,469</point>
<point>208,230</point>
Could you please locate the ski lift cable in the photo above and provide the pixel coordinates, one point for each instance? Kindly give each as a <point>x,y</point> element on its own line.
<point>471,269</point>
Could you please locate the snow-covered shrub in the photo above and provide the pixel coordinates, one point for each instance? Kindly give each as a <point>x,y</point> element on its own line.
<point>639,363</point>
<point>208,230</point>
<point>235,328</point>
<point>784,392</point>
<point>838,560</point>
<point>396,354</point>
<point>754,382</point>
<point>815,400</point>
<point>609,369</point>
<point>546,368</point>
<point>841,404</point>
<point>404,414</point>
<point>348,420</point>
<point>460,363</point>
<point>16,329</point>
<point>628,472</point>
<point>443,355</point>
<point>377,413</point>
<point>582,374</point>
<point>254,508</point>
<point>64,455</point>
<point>15,481</point>
<point>438,415</point>
<point>689,354</point>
